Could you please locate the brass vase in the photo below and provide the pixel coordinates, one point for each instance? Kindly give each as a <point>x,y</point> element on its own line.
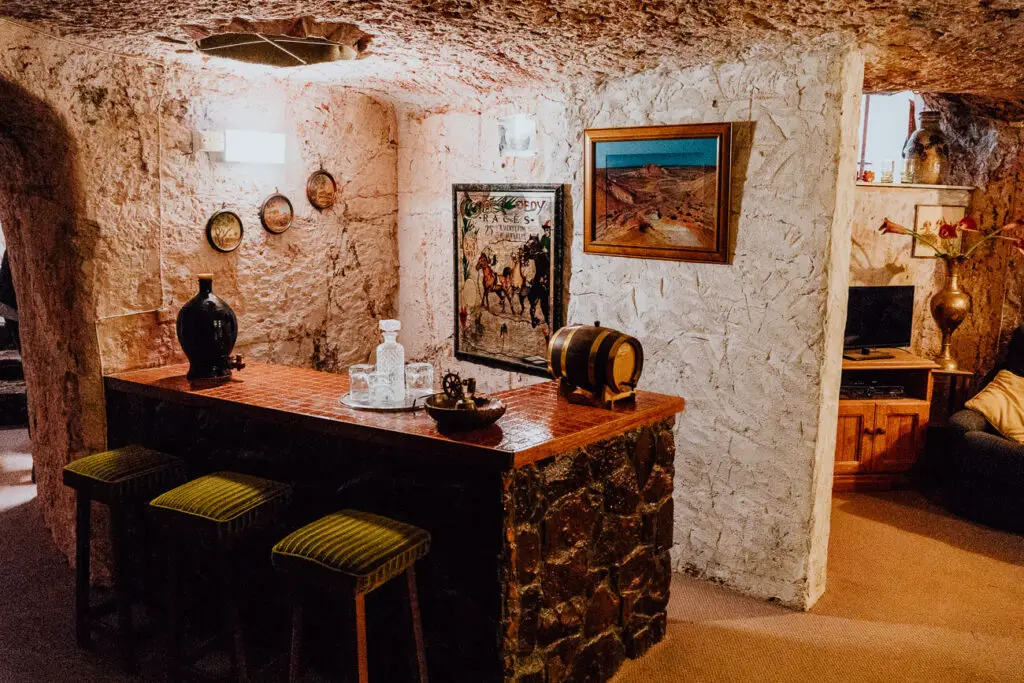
<point>950,306</point>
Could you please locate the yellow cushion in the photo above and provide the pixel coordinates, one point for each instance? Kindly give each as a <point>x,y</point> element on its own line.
<point>1002,404</point>
<point>367,549</point>
<point>226,502</point>
<point>129,472</point>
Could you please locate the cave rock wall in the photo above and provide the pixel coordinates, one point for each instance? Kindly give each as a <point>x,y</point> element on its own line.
<point>753,346</point>
<point>103,205</point>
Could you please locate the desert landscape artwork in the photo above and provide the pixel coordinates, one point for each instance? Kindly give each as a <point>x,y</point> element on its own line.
<point>658,192</point>
<point>508,273</point>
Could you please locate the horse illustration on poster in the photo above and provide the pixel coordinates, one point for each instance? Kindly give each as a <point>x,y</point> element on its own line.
<point>508,273</point>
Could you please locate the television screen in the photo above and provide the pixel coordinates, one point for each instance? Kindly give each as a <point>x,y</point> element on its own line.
<point>879,317</point>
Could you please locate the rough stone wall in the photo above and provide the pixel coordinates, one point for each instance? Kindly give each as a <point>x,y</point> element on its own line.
<point>435,151</point>
<point>587,570</point>
<point>883,260</point>
<point>107,226</point>
<point>987,153</point>
<point>747,344</point>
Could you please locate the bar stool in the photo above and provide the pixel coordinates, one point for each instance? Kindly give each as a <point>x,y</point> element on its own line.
<point>121,479</point>
<point>356,552</point>
<point>218,509</point>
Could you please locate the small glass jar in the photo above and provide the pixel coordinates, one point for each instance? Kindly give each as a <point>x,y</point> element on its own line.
<point>381,394</point>
<point>419,379</point>
<point>888,170</point>
<point>359,382</point>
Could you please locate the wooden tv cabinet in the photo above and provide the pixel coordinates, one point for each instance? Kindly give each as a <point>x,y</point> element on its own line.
<point>879,439</point>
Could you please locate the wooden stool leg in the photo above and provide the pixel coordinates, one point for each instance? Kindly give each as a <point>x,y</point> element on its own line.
<point>295,658</point>
<point>174,599</point>
<point>364,664</point>
<point>123,585</point>
<point>413,606</point>
<point>234,624</point>
<point>82,513</point>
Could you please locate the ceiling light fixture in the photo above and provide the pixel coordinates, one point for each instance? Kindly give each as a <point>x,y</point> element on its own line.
<point>275,50</point>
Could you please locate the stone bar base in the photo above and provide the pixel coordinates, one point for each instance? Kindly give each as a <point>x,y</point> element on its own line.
<point>587,571</point>
<point>550,531</point>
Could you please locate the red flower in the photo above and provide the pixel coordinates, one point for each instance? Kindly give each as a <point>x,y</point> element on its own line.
<point>1013,226</point>
<point>948,231</point>
<point>890,228</point>
<point>967,223</point>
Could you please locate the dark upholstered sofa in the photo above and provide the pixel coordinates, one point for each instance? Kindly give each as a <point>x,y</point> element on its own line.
<point>985,472</point>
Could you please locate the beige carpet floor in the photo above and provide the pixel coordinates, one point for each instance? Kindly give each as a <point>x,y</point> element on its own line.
<point>914,594</point>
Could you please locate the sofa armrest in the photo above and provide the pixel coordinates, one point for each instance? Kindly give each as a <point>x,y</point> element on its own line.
<point>968,420</point>
<point>990,456</point>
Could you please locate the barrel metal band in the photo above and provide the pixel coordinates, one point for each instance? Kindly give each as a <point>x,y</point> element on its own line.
<point>594,348</point>
<point>565,350</point>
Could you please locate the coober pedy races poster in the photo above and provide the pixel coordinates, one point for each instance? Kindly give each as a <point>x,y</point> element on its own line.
<point>508,273</point>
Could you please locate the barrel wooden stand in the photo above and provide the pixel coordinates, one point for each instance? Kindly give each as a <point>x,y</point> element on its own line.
<point>605,398</point>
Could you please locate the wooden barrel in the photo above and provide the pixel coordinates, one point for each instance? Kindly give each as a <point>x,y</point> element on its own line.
<point>592,358</point>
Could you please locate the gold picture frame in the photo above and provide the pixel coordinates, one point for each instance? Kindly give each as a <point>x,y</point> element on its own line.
<point>658,192</point>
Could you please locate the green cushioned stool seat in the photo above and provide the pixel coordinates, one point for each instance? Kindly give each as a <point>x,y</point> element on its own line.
<point>124,473</point>
<point>225,503</point>
<point>365,548</point>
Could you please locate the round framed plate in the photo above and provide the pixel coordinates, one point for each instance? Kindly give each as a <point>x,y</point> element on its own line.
<point>320,190</point>
<point>276,213</point>
<point>224,231</point>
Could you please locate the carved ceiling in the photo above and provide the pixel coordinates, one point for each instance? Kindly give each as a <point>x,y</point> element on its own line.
<point>962,46</point>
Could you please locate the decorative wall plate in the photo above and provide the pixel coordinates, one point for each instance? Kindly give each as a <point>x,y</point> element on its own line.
<point>277,213</point>
<point>320,190</point>
<point>224,231</point>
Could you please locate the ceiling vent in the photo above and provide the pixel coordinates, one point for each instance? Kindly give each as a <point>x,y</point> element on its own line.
<point>280,42</point>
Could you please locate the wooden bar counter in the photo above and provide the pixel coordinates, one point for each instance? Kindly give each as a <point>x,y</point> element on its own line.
<point>551,528</point>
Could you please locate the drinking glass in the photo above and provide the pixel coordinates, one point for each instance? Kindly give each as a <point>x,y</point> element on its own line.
<point>419,379</point>
<point>888,170</point>
<point>381,394</point>
<point>359,382</point>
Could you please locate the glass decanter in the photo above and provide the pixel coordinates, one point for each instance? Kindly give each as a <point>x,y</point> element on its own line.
<point>391,359</point>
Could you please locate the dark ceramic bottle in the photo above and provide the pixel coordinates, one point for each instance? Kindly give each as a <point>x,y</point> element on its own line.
<point>207,329</point>
<point>926,151</point>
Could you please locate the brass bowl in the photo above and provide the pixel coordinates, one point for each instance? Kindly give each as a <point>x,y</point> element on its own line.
<point>452,419</point>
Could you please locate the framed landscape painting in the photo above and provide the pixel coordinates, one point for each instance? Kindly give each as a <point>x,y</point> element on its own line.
<point>508,273</point>
<point>658,192</point>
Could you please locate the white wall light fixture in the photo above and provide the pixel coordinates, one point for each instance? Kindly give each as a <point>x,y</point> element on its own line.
<point>517,136</point>
<point>254,147</point>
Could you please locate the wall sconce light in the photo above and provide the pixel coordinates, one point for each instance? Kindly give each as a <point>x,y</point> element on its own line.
<point>517,136</point>
<point>242,146</point>
<point>253,147</point>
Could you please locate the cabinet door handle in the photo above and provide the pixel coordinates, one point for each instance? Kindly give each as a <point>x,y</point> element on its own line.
<point>869,431</point>
<point>880,430</point>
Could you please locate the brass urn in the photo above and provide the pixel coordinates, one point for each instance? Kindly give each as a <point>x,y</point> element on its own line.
<point>950,306</point>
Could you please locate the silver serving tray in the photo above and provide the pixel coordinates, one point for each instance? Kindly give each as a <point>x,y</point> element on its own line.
<point>411,403</point>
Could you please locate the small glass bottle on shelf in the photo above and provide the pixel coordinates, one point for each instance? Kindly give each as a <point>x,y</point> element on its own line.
<point>391,358</point>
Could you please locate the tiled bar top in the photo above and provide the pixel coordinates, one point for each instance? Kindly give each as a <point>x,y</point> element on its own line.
<point>537,424</point>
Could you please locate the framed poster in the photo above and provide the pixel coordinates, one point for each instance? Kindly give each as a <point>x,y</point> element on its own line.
<point>928,219</point>
<point>508,273</point>
<point>658,192</point>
